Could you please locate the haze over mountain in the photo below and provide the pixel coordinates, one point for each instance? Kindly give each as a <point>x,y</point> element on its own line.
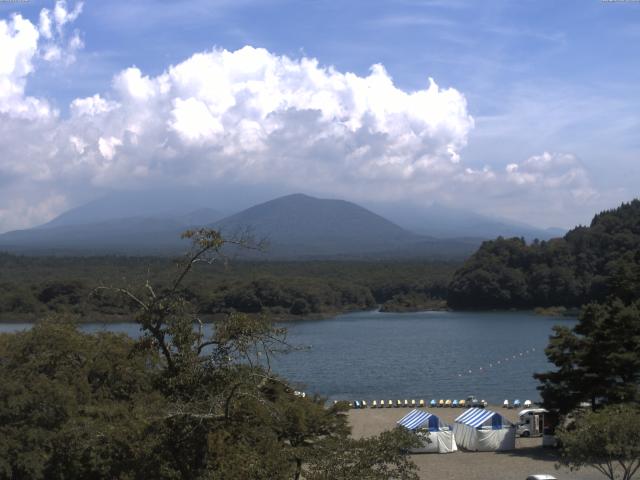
<point>178,205</point>
<point>296,226</point>
<point>440,221</point>
<point>302,225</point>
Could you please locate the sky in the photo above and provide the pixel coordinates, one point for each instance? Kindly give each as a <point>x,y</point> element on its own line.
<point>526,110</point>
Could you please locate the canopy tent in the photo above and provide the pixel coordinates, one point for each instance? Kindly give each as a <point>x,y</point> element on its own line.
<point>436,437</point>
<point>484,430</point>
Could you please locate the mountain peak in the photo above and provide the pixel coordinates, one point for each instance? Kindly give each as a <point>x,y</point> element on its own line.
<point>300,222</point>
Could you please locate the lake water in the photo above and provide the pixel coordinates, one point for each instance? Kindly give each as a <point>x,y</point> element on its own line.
<point>374,355</point>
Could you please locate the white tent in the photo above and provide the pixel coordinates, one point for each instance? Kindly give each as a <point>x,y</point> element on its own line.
<point>436,437</point>
<point>483,430</point>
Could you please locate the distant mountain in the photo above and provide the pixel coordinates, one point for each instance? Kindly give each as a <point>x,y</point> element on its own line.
<point>296,227</point>
<point>199,217</point>
<point>298,224</point>
<point>173,205</point>
<point>301,226</point>
<point>131,235</point>
<point>445,222</point>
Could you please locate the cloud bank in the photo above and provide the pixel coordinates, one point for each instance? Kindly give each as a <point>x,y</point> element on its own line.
<point>246,117</point>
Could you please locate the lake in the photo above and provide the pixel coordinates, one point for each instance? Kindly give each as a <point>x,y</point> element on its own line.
<point>375,355</point>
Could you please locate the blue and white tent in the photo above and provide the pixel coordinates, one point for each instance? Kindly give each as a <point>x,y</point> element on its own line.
<point>436,437</point>
<point>484,430</point>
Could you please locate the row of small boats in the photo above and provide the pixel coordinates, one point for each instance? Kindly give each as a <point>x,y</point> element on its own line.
<point>471,401</point>
<point>516,404</point>
<point>419,404</point>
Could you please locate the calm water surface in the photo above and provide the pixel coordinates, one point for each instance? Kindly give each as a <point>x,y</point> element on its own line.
<point>374,355</point>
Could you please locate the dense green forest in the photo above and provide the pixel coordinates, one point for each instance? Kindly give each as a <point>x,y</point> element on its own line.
<point>175,404</point>
<point>587,264</point>
<point>34,286</point>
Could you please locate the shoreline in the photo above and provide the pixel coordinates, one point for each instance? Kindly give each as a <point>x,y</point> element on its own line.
<point>30,318</point>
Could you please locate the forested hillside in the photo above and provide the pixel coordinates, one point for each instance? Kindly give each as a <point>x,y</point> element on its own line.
<point>31,287</point>
<point>587,264</point>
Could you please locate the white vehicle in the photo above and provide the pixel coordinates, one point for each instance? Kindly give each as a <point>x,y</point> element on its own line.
<point>531,422</point>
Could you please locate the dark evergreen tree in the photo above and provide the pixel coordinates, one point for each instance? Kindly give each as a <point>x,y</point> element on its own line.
<point>588,264</point>
<point>597,361</point>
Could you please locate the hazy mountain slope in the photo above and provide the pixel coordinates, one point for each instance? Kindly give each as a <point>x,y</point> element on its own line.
<point>302,225</point>
<point>131,235</point>
<point>175,205</point>
<point>445,222</point>
<point>296,226</point>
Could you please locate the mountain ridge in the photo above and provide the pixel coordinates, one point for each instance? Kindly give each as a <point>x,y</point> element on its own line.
<point>297,226</point>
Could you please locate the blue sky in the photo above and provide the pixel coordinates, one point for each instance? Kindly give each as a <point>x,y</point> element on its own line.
<point>552,87</point>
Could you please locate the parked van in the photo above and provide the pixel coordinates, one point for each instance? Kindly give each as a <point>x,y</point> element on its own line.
<point>531,422</point>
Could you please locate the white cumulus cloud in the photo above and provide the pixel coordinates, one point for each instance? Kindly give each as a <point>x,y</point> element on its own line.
<point>246,117</point>
<point>21,44</point>
<point>18,47</point>
<point>251,114</point>
<point>552,171</point>
<point>57,47</point>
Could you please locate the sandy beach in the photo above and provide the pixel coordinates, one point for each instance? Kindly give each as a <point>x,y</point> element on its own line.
<point>527,459</point>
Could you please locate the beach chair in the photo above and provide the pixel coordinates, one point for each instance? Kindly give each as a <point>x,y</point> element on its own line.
<point>447,403</point>
<point>413,404</point>
<point>356,404</point>
<point>421,404</point>
<point>398,403</point>
<point>441,403</point>
<point>505,404</point>
<point>433,403</point>
<point>374,404</point>
<point>527,404</point>
<point>454,404</point>
<point>406,403</point>
<point>364,404</point>
<point>516,403</point>
<point>462,403</point>
<point>390,404</point>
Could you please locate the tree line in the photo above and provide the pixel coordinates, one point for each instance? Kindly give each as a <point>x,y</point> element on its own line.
<point>597,362</point>
<point>587,264</point>
<point>31,287</point>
